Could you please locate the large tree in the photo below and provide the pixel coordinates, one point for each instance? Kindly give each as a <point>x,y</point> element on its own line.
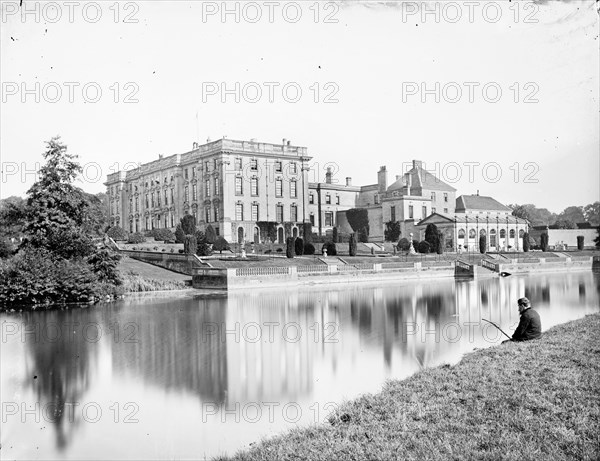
<point>12,216</point>
<point>592,213</point>
<point>58,213</point>
<point>358,218</point>
<point>536,216</point>
<point>573,214</point>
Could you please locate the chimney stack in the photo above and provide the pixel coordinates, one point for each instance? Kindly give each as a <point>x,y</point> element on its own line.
<point>328,175</point>
<point>284,141</point>
<point>398,177</point>
<point>382,179</point>
<point>408,183</point>
<point>348,181</point>
<point>417,164</point>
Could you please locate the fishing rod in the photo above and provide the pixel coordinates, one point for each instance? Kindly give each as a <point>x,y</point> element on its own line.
<point>498,328</point>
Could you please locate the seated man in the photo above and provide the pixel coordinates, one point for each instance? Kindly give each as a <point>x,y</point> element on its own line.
<point>530,325</point>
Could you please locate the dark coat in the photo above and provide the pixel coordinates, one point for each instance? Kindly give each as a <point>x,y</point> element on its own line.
<point>530,326</point>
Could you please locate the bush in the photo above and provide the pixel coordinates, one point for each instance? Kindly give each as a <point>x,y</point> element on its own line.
<point>35,276</point>
<point>335,235</point>
<point>307,232</point>
<point>330,247</point>
<point>190,245</point>
<point>352,245</point>
<point>441,243</point>
<point>526,242</point>
<point>163,234</point>
<point>136,238</point>
<point>299,246</point>
<point>279,250</point>
<point>117,233</point>
<point>580,242</point>
<point>188,224</point>
<point>220,244</point>
<point>290,245</point>
<point>104,264</point>
<point>181,251</point>
<point>204,248</point>
<point>403,244</point>
<point>6,248</point>
<point>482,244</point>
<point>424,247</point>
<point>309,249</point>
<point>432,236</point>
<point>179,234</point>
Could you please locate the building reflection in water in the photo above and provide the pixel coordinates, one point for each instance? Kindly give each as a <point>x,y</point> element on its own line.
<point>314,343</point>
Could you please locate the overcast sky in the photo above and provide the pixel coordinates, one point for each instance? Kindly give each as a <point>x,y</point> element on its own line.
<point>368,60</point>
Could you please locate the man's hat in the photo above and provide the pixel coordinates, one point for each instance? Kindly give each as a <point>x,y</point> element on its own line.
<point>523,302</point>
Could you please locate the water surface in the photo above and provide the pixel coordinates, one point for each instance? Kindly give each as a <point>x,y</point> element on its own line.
<point>188,378</point>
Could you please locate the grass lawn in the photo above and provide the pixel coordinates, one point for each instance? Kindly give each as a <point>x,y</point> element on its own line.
<point>141,276</point>
<point>533,400</point>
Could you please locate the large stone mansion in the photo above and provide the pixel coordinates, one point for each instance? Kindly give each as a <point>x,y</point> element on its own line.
<point>234,185</point>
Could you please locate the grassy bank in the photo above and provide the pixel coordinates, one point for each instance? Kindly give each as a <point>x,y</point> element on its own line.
<point>533,400</point>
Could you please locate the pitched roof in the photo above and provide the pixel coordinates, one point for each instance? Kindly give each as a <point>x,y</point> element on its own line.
<point>479,202</point>
<point>421,178</point>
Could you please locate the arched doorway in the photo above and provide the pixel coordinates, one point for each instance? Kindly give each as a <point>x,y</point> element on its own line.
<point>240,235</point>
<point>280,235</point>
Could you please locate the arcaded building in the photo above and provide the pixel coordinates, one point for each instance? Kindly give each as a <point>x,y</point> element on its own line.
<point>231,185</point>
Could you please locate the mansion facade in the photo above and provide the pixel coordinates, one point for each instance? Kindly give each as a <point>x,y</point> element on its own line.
<point>231,185</point>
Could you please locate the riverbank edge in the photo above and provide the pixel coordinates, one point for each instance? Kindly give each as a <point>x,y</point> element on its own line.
<point>531,400</point>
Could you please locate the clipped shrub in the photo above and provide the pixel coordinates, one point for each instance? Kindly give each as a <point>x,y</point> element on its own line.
<point>309,249</point>
<point>179,234</point>
<point>544,241</point>
<point>204,248</point>
<point>526,242</point>
<point>580,242</point>
<point>330,247</point>
<point>335,235</point>
<point>307,232</point>
<point>432,236</point>
<point>279,250</point>
<point>424,247</point>
<point>163,235</point>
<point>117,233</point>
<point>290,245</point>
<point>441,243</point>
<point>210,234</point>
<point>299,246</point>
<point>403,244</point>
<point>190,245</point>
<point>220,244</point>
<point>482,244</point>
<point>181,251</point>
<point>136,238</point>
<point>352,245</point>
<point>188,224</point>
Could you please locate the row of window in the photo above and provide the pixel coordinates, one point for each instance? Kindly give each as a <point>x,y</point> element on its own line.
<point>255,215</point>
<point>473,233</point>
<point>433,197</point>
<point>328,215</point>
<point>278,165</point>
<point>239,187</point>
<point>311,199</point>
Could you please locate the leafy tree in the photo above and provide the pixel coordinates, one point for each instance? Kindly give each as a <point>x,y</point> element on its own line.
<point>117,233</point>
<point>432,236</point>
<point>392,231</point>
<point>188,224</point>
<point>290,245</point>
<point>573,214</point>
<point>536,216</point>
<point>104,264</point>
<point>299,246</point>
<point>565,224</point>
<point>96,216</point>
<point>6,249</point>
<point>592,213</point>
<point>57,212</point>
<point>220,244</point>
<point>597,239</point>
<point>520,211</point>
<point>352,245</point>
<point>12,216</point>
<point>210,234</point>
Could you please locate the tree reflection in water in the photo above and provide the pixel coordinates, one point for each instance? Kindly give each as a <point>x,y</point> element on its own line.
<point>60,364</point>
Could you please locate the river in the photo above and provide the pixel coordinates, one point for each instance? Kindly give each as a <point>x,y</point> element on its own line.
<point>189,377</point>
